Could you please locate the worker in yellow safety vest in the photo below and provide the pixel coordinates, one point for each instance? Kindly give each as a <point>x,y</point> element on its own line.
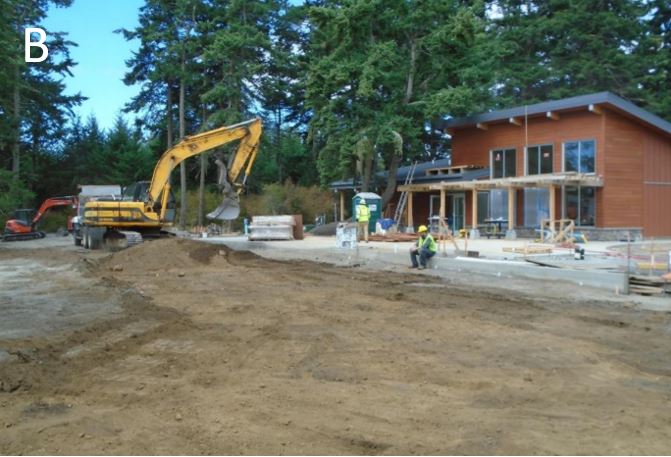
<point>362,218</point>
<point>425,248</point>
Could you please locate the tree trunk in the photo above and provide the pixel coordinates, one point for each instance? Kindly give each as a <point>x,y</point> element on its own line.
<point>201,187</point>
<point>169,115</point>
<point>278,135</point>
<point>16,148</point>
<point>182,166</point>
<point>393,169</point>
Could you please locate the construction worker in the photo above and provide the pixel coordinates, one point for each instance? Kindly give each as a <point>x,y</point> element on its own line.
<point>362,218</point>
<point>425,248</point>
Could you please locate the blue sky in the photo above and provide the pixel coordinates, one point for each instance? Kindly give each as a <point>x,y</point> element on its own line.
<point>100,55</point>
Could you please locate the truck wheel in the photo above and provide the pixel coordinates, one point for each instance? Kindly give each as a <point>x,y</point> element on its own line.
<point>86,238</point>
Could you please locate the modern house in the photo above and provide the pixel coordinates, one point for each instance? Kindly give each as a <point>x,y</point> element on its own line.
<point>596,159</point>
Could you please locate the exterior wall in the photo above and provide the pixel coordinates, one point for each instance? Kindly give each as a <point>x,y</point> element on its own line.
<point>471,146</point>
<point>656,185</point>
<point>622,194</point>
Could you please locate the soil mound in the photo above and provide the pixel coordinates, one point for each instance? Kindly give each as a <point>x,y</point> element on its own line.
<point>166,254</point>
<point>325,230</point>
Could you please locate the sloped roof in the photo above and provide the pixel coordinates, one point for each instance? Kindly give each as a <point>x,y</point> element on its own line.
<point>599,98</point>
<point>420,175</point>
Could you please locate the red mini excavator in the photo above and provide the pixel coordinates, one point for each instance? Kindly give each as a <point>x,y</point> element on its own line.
<point>22,227</point>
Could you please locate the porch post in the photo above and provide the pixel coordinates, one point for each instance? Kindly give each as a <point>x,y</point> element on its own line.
<point>411,224</point>
<point>511,234</point>
<point>475,233</point>
<point>553,209</point>
<point>442,205</point>
<point>342,206</point>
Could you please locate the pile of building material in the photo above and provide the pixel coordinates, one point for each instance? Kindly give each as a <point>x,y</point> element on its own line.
<point>529,249</point>
<point>394,237</point>
<point>272,227</point>
<point>649,285</point>
<point>346,235</point>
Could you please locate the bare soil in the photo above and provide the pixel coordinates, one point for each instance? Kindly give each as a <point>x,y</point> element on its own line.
<point>197,349</point>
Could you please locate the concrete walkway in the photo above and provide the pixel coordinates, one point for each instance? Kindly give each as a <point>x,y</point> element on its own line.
<point>494,269</point>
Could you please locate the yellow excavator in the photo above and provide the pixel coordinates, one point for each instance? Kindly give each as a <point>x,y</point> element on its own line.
<point>147,207</point>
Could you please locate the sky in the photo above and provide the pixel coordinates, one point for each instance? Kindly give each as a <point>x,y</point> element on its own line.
<point>100,54</point>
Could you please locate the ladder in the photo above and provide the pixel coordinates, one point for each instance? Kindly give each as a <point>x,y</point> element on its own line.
<point>404,195</point>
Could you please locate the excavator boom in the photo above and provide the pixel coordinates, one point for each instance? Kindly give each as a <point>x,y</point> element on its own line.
<point>248,133</point>
<point>147,208</point>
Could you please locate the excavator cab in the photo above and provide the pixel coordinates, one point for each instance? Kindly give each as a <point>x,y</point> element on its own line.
<point>24,215</point>
<point>139,192</point>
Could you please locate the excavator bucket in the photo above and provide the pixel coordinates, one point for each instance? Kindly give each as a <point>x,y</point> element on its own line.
<point>228,210</point>
<point>230,206</point>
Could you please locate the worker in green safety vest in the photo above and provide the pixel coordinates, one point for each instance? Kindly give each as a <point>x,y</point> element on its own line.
<point>362,218</point>
<point>424,249</point>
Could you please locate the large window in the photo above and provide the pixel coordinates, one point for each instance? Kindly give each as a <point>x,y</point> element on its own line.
<point>536,206</point>
<point>539,159</point>
<point>503,163</point>
<point>580,204</point>
<point>580,156</point>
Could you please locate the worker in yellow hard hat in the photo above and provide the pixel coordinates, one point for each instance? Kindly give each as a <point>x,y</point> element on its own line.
<point>362,218</point>
<point>425,248</point>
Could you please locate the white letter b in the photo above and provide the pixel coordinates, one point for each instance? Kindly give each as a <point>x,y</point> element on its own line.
<point>39,44</point>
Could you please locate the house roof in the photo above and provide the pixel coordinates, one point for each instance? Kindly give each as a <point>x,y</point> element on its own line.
<point>600,98</point>
<point>421,174</point>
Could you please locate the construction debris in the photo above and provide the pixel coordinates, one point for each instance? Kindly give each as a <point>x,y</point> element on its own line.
<point>529,249</point>
<point>649,285</point>
<point>272,228</point>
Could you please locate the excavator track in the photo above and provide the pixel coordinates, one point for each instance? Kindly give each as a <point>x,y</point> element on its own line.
<point>121,239</point>
<point>23,236</point>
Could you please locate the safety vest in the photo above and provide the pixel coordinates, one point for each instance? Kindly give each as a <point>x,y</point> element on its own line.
<point>363,213</point>
<point>428,243</point>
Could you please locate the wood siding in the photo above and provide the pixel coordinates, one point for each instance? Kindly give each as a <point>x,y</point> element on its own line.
<point>656,185</point>
<point>622,194</point>
<point>471,146</point>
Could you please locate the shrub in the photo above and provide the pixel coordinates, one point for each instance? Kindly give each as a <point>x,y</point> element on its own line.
<point>287,198</point>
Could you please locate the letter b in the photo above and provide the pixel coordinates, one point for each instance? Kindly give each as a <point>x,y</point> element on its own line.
<point>39,44</point>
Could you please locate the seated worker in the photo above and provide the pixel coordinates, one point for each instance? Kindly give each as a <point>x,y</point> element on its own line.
<point>425,248</point>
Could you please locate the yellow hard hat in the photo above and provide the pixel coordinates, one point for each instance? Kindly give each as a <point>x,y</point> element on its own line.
<point>422,228</point>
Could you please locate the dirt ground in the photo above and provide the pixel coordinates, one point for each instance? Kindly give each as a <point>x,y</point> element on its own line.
<point>179,347</point>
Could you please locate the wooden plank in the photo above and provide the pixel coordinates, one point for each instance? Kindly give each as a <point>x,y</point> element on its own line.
<point>410,222</point>
<point>511,208</point>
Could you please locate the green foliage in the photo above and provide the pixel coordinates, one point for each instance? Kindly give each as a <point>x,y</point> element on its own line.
<point>13,194</point>
<point>288,198</point>
<point>55,219</point>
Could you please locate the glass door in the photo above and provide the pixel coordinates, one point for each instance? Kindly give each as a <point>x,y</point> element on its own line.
<point>458,211</point>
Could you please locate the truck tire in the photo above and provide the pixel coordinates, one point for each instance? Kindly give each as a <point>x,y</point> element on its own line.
<point>86,238</point>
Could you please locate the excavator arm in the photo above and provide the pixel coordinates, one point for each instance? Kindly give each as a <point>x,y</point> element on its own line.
<point>248,133</point>
<point>51,203</point>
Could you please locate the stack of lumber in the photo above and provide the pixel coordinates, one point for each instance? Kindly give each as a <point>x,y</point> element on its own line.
<point>648,285</point>
<point>272,228</point>
<point>394,237</point>
<point>531,249</point>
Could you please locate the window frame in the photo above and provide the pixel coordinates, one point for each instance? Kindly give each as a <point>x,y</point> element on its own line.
<point>563,154</point>
<point>526,158</point>
<point>491,161</point>
<point>564,204</point>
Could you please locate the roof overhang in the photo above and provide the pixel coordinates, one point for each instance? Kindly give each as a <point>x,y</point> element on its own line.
<point>553,109</point>
<point>517,182</point>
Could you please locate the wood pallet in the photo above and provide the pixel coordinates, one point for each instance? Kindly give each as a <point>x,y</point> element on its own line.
<point>394,237</point>
<point>529,250</point>
<point>648,285</point>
